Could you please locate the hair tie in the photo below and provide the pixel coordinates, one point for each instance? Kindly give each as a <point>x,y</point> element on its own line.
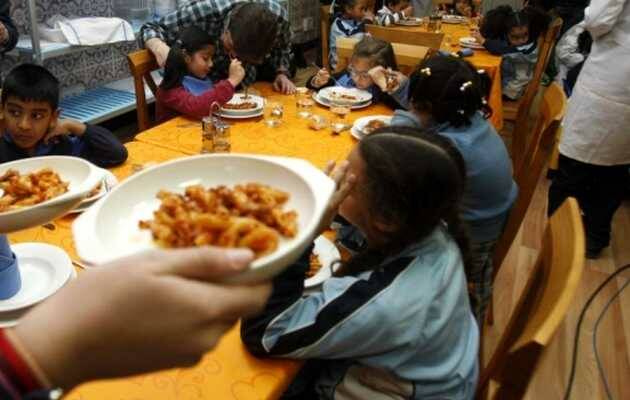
<point>426,71</point>
<point>481,71</point>
<point>464,85</point>
<point>461,112</point>
<point>179,42</point>
<point>484,101</point>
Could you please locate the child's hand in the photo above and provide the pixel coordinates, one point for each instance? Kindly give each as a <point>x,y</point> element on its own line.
<point>368,16</point>
<point>408,12</point>
<point>64,127</point>
<point>478,37</point>
<point>236,72</point>
<point>322,78</point>
<point>387,80</point>
<point>343,183</point>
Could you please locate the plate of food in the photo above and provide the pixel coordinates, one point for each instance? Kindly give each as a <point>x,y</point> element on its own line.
<point>366,125</point>
<point>242,104</point>
<point>36,190</point>
<point>324,260</point>
<point>101,189</point>
<point>351,96</point>
<point>454,19</point>
<point>272,205</point>
<point>409,21</point>
<point>470,42</point>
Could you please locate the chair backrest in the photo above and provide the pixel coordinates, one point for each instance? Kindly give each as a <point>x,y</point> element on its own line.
<point>546,44</point>
<point>407,56</point>
<point>324,28</point>
<point>543,141</point>
<point>141,63</point>
<point>414,37</point>
<point>542,306</point>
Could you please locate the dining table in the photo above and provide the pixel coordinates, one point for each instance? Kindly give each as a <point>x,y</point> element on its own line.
<point>228,371</point>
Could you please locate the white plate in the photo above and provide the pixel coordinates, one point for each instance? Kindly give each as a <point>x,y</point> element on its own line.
<point>412,21</point>
<point>251,114</point>
<point>238,98</point>
<point>328,255</point>
<point>359,124</point>
<point>470,42</point>
<point>12,318</point>
<point>80,174</point>
<point>454,19</point>
<point>111,181</point>
<point>331,92</point>
<point>44,269</point>
<point>326,103</point>
<point>109,229</point>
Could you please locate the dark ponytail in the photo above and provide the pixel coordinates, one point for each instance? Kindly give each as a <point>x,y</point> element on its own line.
<point>414,181</point>
<point>450,89</point>
<point>191,40</point>
<point>339,7</point>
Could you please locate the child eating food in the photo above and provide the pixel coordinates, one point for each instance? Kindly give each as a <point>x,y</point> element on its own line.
<point>368,56</point>
<point>394,321</point>
<point>186,88</point>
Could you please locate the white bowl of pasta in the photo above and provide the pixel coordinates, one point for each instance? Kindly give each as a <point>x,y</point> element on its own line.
<point>272,205</point>
<point>36,190</point>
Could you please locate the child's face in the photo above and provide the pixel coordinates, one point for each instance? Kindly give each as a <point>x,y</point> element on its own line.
<point>519,35</point>
<point>357,12</point>
<point>200,62</point>
<point>463,7</point>
<point>359,67</point>
<point>27,122</point>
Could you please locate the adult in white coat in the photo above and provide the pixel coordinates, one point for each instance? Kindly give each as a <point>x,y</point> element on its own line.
<point>595,146</point>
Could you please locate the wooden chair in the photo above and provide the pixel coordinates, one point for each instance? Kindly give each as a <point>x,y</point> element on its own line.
<point>407,56</point>
<point>518,111</point>
<point>413,37</point>
<point>541,308</point>
<point>527,174</point>
<point>141,63</point>
<point>324,28</point>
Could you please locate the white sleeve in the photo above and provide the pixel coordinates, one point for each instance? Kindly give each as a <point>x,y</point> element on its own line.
<point>601,15</point>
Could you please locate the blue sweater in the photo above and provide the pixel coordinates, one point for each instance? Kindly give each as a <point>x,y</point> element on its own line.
<point>490,189</point>
<point>402,330</point>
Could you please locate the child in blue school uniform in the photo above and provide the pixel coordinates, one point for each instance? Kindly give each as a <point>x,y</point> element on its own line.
<point>446,95</point>
<point>31,125</point>
<point>368,54</point>
<point>349,17</point>
<point>395,320</point>
<point>513,35</point>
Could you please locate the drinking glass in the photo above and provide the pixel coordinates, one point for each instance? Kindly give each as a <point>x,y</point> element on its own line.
<point>340,108</point>
<point>303,102</point>
<point>273,112</point>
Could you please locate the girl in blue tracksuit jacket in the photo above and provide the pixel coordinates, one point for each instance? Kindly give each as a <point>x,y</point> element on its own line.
<point>394,321</point>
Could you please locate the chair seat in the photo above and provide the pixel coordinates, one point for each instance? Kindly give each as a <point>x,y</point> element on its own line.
<point>510,109</point>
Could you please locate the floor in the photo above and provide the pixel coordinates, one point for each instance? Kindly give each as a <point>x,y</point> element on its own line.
<point>613,337</point>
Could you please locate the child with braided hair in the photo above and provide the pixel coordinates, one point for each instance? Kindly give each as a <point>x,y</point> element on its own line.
<point>447,95</point>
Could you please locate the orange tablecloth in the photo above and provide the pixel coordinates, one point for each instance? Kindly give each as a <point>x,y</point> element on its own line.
<point>227,372</point>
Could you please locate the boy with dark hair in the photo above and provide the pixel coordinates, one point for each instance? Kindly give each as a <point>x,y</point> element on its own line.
<point>30,99</point>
